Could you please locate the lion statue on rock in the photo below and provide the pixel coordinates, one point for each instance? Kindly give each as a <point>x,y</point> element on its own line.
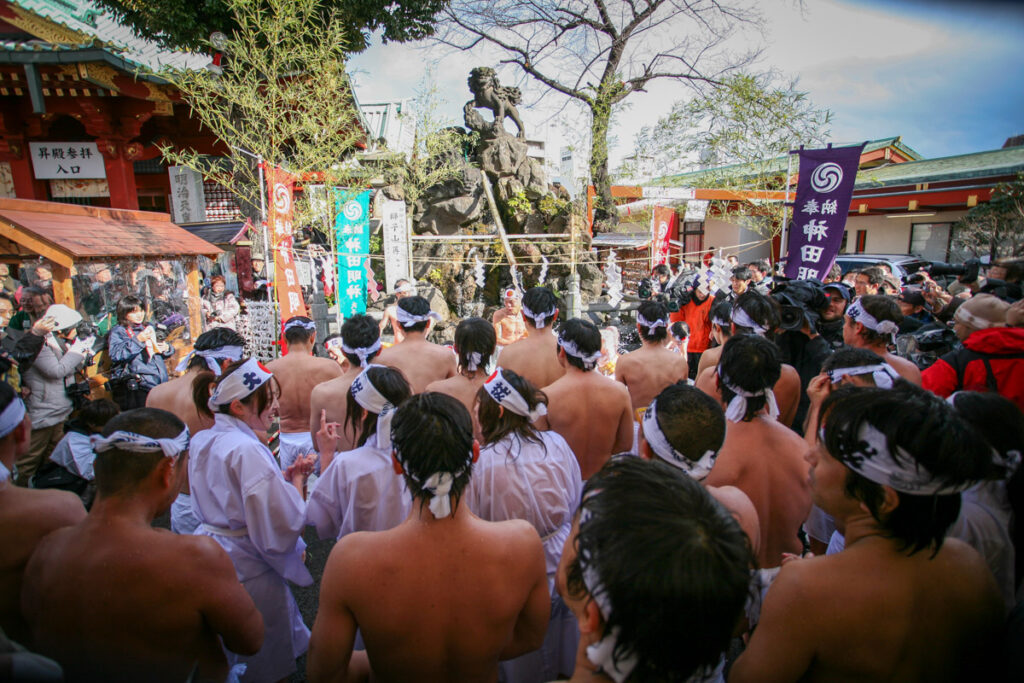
<point>489,94</point>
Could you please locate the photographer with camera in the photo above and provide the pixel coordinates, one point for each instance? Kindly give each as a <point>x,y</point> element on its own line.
<point>693,301</point>
<point>50,382</point>
<point>137,356</point>
<point>1003,280</point>
<point>801,304</point>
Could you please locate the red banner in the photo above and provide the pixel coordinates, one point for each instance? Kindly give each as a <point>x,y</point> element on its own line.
<point>280,186</point>
<point>664,222</point>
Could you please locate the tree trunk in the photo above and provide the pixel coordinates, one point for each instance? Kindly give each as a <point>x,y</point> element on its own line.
<point>605,215</point>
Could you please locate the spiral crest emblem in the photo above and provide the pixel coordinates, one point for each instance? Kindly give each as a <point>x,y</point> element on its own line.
<point>826,177</point>
<point>282,198</point>
<point>353,210</point>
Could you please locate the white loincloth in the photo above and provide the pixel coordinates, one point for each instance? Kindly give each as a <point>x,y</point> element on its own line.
<point>183,518</point>
<point>293,445</point>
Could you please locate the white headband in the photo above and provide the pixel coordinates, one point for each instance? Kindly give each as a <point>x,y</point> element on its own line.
<point>231,353</point>
<point>245,379</point>
<point>589,360</point>
<point>663,449</point>
<point>882,373</point>
<point>407,288</point>
<point>602,653</point>
<point>475,359</point>
<point>371,400</point>
<point>723,323</point>
<point>309,326</point>
<point>539,319</point>
<point>505,395</point>
<point>439,484</point>
<point>873,460</point>
<point>859,315</point>
<point>971,320</point>
<point>644,322</point>
<point>361,352</point>
<point>406,319</point>
<point>12,416</point>
<point>743,319</point>
<point>737,408</point>
<point>5,475</point>
<point>335,342</point>
<point>140,443</point>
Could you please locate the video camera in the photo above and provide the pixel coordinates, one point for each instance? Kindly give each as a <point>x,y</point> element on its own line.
<point>800,300</point>
<point>966,272</point>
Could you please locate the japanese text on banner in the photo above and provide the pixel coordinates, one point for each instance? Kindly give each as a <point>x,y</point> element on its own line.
<point>280,185</point>
<point>352,232</point>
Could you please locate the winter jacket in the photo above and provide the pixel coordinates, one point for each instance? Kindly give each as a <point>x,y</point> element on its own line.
<point>128,358</point>
<point>1002,347</point>
<point>54,368</point>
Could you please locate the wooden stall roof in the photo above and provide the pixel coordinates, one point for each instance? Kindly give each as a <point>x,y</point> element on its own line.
<point>64,233</point>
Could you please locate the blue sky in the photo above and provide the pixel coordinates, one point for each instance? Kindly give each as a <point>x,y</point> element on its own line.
<point>947,76</point>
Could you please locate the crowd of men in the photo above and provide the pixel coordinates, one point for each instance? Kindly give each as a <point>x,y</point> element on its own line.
<point>787,480</point>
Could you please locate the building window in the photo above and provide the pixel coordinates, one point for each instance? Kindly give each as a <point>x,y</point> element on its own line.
<point>693,240</point>
<point>931,240</point>
<point>842,247</point>
<point>862,239</point>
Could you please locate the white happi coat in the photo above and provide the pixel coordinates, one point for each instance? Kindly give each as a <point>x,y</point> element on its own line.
<point>243,502</point>
<point>359,491</point>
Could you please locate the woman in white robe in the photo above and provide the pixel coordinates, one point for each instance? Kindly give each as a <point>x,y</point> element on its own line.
<point>526,474</point>
<point>359,490</point>
<point>253,510</point>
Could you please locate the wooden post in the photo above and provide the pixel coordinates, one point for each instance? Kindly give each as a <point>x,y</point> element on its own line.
<point>501,227</point>
<point>63,293</point>
<point>195,317</point>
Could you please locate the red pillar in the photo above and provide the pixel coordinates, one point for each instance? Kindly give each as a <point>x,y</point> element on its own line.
<point>120,174</point>
<point>25,184</point>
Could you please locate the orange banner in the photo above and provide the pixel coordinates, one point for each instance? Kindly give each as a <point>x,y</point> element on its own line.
<point>664,221</point>
<point>280,186</point>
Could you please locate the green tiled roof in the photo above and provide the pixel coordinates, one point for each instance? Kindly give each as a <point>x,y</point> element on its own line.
<point>961,167</point>
<point>85,17</point>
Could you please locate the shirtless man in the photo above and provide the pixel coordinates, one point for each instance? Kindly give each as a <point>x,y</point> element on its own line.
<point>297,373</point>
<point>332,345</point>
<point>421,362</point>
<point>755,314</point>
<point>535,357</point>
<point>26,515</point>
<point>686,428</point>
<point>902,603</point>
<point>403,288</point>
<point>508,320</point>
<point>360,344</point>
<point>761,456</point>
<point>474,344</point>
<point>871,323</point>
<point>477,591</point>
<point>213,350</point>
<point>652,367</point>
<point>114,599</point>
<point>652,552</point>
<point>593,413</point>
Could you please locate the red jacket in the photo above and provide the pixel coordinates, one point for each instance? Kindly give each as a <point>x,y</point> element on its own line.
<point>1004,349</point>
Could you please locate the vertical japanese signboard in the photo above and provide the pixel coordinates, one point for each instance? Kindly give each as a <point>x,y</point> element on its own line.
<point>188,199</point>
<point>663,220</point>
<point>819,214</point>
<point>352,234</point>
<point>280,186</point>
<point>396,242</point>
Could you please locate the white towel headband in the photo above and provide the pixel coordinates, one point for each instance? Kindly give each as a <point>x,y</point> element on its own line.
<point>212,356</point>
<point>12,416</point>
<point>650,325</point>
<point>245,379</point>
<point>743,319</point>
<point>140,443</point>
<point>882,373</point>
<point>505,395</point>
<point>334,343</point>
<point>589,360</point>
<point>859,315</point>
<point>371,400</point>
<point>309,325</point>
<point>406,288</point>
<point>361,352</point>
<point>539,319</point>
<point>407,319</point>
<point>475,359</point>
<point>737,408</point>
<point>656,439</point>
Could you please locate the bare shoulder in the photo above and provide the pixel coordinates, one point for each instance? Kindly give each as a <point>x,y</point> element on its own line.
<point>706,382</point>
<point>516,535</point>
<point>905,368</point>
<point>60,508</point>
<point>327,367</point>
<point>159,393</point>
<point>789,374</point>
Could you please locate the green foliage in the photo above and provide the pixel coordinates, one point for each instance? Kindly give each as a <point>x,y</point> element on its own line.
<point>995,228</point>
<point>187,24</point>
<point>435,277</point>
<point>518,203</point>
<point>551,206</point>
<point>376,243</point>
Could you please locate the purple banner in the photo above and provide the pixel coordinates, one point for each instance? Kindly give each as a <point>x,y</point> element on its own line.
<point>823,194</point>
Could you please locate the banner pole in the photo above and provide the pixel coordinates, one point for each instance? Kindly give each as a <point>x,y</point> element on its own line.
<point>783,246</point>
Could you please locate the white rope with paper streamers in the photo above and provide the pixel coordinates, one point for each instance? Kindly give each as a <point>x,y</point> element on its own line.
<point>872,458</point>
<point>737,408</point>
<point>478,272</point>
<point>505,395</point>
<point>613,278</point>
<point>589,360</point>
<point>371,400</point>
<point>543,270</point>
<point>406,319</point>
<point>212,356</point>
<point>245,379</point>
<point>859,315</point>
<point>362,352</point>
<point>140,443</point>
<point>659,444</point>
<point>882,373</point>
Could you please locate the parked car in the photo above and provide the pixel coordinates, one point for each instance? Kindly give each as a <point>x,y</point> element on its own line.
<point>902,265</point>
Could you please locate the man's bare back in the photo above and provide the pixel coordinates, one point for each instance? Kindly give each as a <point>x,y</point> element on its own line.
<point>871,613</point>
<point>421,362</point>
<point>297,374</point>
<point>647,371</point>
<point>786,390</point>
<point>26,516</point>
<point>593,414</point>
<point>477,592</point>
<point>534,357</point>
<point>116,600</point>
<point>765,460</point>
<point>461,387</point>
<point>332,396</point>
<point>175,397</point>
<point>709,359</point>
